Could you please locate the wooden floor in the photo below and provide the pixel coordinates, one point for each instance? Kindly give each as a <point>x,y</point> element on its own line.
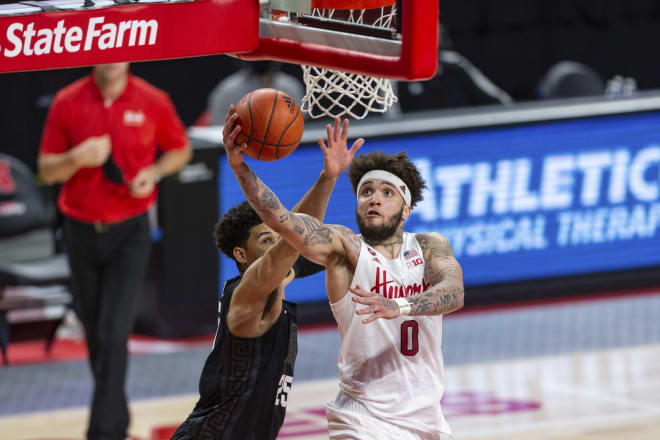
<point>604,395</point>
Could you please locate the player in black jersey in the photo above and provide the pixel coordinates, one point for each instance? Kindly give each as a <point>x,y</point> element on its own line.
<point>247,377</point>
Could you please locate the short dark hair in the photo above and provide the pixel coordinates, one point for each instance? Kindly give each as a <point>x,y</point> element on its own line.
<point>233,229</point>
<point>398,164</point>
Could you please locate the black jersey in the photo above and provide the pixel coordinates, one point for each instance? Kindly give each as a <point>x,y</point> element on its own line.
<point>245,382</point>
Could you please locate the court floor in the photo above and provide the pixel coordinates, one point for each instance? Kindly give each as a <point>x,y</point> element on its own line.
<point>576,370</point>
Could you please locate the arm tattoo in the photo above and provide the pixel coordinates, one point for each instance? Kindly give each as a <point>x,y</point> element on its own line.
<point>319,236</point>
<point>246,181</point>
<point>298,224</point>
<point>433,302</point>
<point>423,305</point>
<point>434,247</point>
<point>284,217</point>
<point>315,231</point>
<point>269,199</point>
<point>351,239</point>
<point>444,273</point>
<point>252,187</point>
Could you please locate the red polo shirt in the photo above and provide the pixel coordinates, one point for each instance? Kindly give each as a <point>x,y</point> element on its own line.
<point>139,122</point>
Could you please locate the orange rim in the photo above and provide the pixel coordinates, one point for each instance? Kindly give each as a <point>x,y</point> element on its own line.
<point>351,4</point>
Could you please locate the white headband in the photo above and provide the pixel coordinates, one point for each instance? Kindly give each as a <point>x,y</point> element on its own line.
<point>387,177</point>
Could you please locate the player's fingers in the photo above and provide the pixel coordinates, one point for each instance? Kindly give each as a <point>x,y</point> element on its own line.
<point>337,124</point>
<point>344,131</point>
<point>356,146</point>
<point>232,136</point>
<point>229,124</point>
<point>356,290</point>
<point>370,319</point>
<point>328,129</point>
<point>322,144</point>
<point>360,300</point>
<point>230,113</point>
<point>238,148</point>
<point>365,311</point>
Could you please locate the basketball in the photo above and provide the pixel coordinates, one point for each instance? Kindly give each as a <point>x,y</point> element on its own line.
<point>271,124</point>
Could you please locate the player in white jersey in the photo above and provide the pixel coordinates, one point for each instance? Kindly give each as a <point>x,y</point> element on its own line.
<point>390,361</point>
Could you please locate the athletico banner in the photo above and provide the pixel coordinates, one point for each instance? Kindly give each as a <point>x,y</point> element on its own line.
<point>135,32</point>
<point>517,203</point>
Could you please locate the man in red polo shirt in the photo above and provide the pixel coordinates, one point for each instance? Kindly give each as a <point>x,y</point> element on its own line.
<point>101,141</point>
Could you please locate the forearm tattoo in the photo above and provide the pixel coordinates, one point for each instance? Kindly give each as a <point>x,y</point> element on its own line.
<point>437,301</point>
<point>258,194</point>
<point>247,179</point>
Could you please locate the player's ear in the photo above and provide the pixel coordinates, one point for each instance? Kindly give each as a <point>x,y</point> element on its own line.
<point>240,255</point>
<point>406,212</point>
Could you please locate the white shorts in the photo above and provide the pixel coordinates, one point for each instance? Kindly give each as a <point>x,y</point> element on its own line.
<point>350,419</point>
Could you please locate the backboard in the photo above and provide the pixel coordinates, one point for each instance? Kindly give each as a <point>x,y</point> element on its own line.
<point>395,39</point>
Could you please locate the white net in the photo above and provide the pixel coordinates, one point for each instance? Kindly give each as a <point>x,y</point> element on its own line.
<point>332,93</point>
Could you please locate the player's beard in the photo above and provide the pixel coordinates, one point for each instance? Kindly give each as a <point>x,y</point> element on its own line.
<point>378,234</point>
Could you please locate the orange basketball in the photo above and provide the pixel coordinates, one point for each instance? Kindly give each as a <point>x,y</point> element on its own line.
<point>271,124</point>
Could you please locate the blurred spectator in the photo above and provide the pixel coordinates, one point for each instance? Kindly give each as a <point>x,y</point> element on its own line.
<point>620,87</point>
<point>256,75</point>
<point>100,141</point>
<point>568,79</point>
<point>457,83</point>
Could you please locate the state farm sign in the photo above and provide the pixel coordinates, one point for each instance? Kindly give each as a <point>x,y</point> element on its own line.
<point>99,34</point>
<point>128,32</point>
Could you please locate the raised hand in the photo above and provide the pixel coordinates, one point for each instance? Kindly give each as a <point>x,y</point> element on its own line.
<point>229,132</point>
<point>377,306</point>
<point>336,156</point>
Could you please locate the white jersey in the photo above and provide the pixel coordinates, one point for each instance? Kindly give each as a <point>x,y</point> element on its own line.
<point>394,367</point>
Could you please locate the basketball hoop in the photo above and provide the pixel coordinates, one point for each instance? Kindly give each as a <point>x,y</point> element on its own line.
<point>350,49</point>
<point>335,93</point>
<point>331,92</point>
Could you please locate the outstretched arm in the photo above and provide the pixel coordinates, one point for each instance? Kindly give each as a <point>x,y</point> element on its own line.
<point>267,273</point>
<point>442,272</point>
<point>315,240</point>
